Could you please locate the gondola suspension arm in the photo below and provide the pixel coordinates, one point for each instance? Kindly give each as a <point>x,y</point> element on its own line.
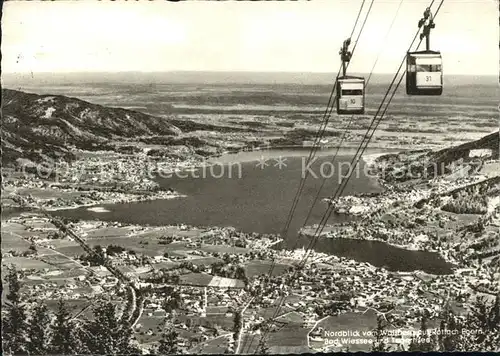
<point>345,55</point>
<point>427,27</point>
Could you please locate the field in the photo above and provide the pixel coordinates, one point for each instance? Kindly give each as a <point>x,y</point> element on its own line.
<point>255,268</point>
<point>225,249</point>
<point>27,263</point>
<point>222,282</point>
<point>199,279</point>
<point>12,241</point>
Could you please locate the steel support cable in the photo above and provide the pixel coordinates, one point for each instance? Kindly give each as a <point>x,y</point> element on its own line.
<point>319,135</point>
<point>390,99</point>
<point>356,42</point>
<point>368,136</point>
<point>350,120</point>
<point>312,153</point>
<point>330,209</point>
<point>326,118</point>
<point>326,121</point>
<point>385,39</point>
<point>355,158</point>
<point>330,105</point>
<point>375,121</point>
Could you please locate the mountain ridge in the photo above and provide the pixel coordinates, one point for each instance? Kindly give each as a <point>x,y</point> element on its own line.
<point>40,127</point>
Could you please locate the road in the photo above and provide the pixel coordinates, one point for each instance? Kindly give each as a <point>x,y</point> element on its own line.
<point>240,334</point>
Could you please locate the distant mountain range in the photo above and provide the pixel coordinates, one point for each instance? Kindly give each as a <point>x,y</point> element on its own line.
<point>38,127</point>
<point>41,127</point>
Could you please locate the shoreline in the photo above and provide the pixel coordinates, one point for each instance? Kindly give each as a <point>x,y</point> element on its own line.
<point>409,246</point>
<point>368,158</point>
<point>167,197</point>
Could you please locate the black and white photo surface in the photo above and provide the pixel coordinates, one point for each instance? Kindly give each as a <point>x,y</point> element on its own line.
<point>250,177</point>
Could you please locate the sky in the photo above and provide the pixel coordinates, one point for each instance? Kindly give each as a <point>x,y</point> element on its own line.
<point>285,36</point>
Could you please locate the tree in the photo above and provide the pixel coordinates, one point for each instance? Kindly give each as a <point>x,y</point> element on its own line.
<point>379,344</point>
<point>240,273</point>
<point>226,258</point>
<point>217,268</point>
<point>114,249</point>
<point>14,323</point>
<point>484,318</point>
<point>108,334</point>
<point>169,340</point>
<point>38,328</point>
<point>62,338</point>
<point>238,324</point>
<point>450,331</point>
<point>173,300</point>
<point>424,342</point>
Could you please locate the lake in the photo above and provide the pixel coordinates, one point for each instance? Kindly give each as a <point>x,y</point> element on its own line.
<point>253,192</point>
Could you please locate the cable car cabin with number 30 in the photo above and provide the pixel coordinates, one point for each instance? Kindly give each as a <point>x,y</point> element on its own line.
<point>350,95</point>
<point>424,75</point>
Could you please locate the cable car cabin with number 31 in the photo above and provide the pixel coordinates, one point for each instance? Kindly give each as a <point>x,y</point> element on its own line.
<point>424,75</point>
<point>350,95</point>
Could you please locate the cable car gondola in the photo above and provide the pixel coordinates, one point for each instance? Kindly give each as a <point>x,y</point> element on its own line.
<point>424,74</point>
<point>424,69</point>
<point>350,89</point>
<point>350,95</point>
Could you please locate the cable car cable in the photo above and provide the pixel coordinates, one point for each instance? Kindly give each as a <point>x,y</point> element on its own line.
<point>319,135</point>
<point>331,109</point>
<point>388,90</point>
<point>352,116</point>
<point>341,187</point>
<point>390,99</point>
<point>329,211</point>
<point>385,40</point>
<point>357,40</point>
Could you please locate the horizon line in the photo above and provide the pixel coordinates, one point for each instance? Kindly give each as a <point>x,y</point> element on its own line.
<point>221,71</point>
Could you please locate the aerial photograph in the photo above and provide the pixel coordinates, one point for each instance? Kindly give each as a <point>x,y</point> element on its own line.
<point>250,177</point>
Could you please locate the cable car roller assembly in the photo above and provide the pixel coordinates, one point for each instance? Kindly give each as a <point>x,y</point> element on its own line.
<point>350,89</point>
